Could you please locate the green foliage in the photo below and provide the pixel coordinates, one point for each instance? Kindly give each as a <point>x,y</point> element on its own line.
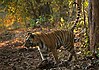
<point>60,11</point>
<point>32,23</point>
<point>41,19</point>
<point>32,9</point>
<point>52,18</point>
<point>88,53</point>
<point>98,52</point>
<point>38,21</point>
<point>86,4</point>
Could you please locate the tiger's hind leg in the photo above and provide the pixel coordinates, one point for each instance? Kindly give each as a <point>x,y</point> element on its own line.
<point>55,54</point>
<point>72,53</point>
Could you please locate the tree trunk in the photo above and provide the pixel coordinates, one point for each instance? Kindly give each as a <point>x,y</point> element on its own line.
<point>90,22</point>
<point>94,27</point>
<point>96,16</point>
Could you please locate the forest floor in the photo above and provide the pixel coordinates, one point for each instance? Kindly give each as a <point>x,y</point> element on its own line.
<point>13,56</point>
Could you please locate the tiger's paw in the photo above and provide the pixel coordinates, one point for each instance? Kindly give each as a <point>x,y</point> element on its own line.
<point>46,64</point>
<point>64,63</point>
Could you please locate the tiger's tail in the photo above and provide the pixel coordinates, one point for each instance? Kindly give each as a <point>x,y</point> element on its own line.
<point>78,15</point>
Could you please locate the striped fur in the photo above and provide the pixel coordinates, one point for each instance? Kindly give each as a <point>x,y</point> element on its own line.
<point>53,40</point>
<point>78,15</point>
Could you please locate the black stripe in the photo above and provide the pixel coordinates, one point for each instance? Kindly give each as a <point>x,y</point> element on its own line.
<point>79,12</point>
<point>78,15</point>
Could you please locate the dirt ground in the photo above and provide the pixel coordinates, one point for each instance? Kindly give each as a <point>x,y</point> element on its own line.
<point>13,56</point>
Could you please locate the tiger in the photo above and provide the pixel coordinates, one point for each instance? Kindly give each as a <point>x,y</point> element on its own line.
<point>53,40</point>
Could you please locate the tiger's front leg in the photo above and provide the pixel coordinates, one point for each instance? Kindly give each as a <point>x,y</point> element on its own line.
<point>42,57</point>
<point>70,48</point>
<point>43,50</point>
<point>55,54</point>
<point>73,53</point>
<point>45,60</point>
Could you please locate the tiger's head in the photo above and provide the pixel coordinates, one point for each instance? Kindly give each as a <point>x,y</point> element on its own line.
<point>31,40</point>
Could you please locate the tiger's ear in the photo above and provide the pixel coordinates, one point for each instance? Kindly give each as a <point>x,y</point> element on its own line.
<point>31,35</point>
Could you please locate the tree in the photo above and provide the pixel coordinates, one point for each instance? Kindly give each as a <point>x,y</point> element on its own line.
<point>94,26</point>
<point>95,4</point>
